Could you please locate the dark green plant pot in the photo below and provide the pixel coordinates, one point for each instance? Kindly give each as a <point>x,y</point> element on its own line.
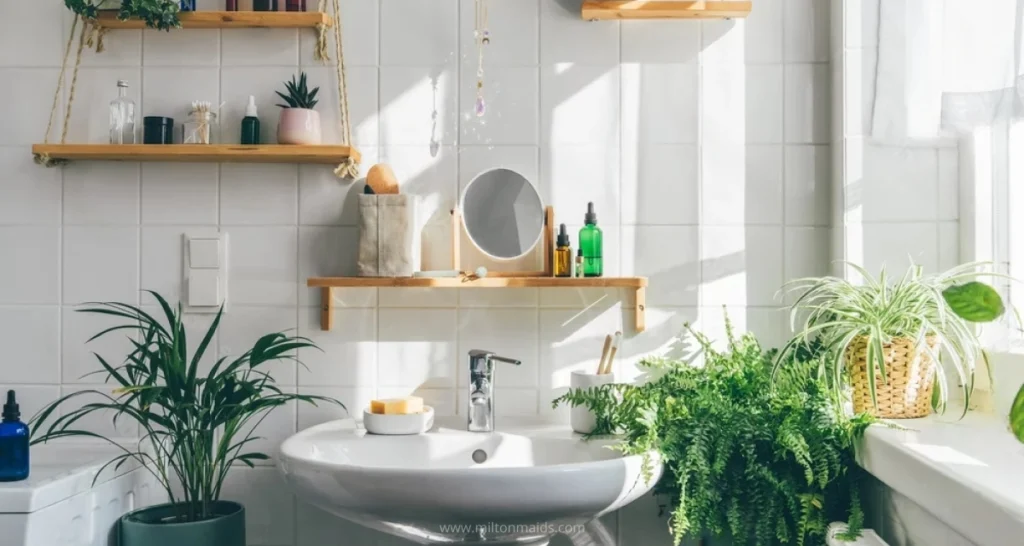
<point>149,527</point>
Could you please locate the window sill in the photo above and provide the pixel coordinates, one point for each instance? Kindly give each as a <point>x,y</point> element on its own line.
<point>966,473</point>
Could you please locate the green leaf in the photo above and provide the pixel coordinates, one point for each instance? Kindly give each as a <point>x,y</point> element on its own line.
<point>974,301</point>
<point>1017,415</point>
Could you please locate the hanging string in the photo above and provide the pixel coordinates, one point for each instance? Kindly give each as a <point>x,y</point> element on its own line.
<point>350,167</point>
<point>96,34</point>
<point>320,53</point>
<point>45,159</point>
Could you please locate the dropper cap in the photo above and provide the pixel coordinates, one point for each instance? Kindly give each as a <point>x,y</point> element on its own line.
<point>563,236</point>
<point>11,410</point>
<point>591,217</point>
<point>250,110</point>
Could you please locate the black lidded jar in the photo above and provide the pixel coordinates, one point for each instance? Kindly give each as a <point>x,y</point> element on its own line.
<point>265,5</point>
<point>157,130</point>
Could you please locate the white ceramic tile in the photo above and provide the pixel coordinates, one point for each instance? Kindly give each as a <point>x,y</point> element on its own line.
<point>275,428</point>
<point>317,528</point>
<point>806,254</point>
<point>768,324</point>
<point>512,333</point>
<point>238,83</point>
<point>949,184</point>
<point>32,195</point>
<point>175,193</point>
<point>861,21</point>
<point>896,245</point>
<point>660,185</point>
<point>498,297</point>
<point>163,250</point>
<point>859,78</point>
<point>362,88</point>
<point>428,173</point>
<point>255,194</point>
<point>418,106</point>
<point>674,276</point>
<point>645,522</point>
<point>101,193</point>
<point>476,160</point>
<point>808,103</point>
<point>660,42</point>
<point>349,352</point>
<point>511,96</point>
<point>418,32</point>
<point>188,47</point>
<point>360,36</point>
<point>243,326</point>
<point>169,92</point>
<point>660,339</point>
<point>34,275</point>
<point>807,30</point>
<point>563,167</point>
<point>120,48</point>
<point>579,104</point>
<point>514,28</point>
<point>741,265</point>
<point>261,47</point>
<point>32,338</point>
<point>566,38</point>
<point>723,138</point>
<point>659,103</point>
<point>764,104</point>
<point>949,245</point>
<point>31,89</point>
<point>100,422</point>
<point>416,348</point>
<point>331,252</point>
<point>101,264</point>
<point>757,199</point>
<point>263,265</point>
<point>417,297</point>
<point>900,185</point>
<point>354,399</point>
<point>95,88</point>
<point>270,513</point>
<point>325,200</point>
<point>808,192</point>
<point>31,34</point>
<point>723,42</point>
<point>78,361</point>
<point>764,33</point>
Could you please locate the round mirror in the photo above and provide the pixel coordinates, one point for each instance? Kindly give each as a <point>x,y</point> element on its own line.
<point>503,214</point>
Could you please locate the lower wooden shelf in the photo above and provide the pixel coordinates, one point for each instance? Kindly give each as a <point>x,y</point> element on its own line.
<point>198,153</point>
<point>328,284</point>
<point>595,10</point>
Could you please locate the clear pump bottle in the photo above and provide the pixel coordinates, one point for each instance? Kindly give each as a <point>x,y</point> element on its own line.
<point>122,116</point>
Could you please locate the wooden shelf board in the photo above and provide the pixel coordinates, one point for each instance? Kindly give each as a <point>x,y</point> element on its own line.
<point>199,153</point>
<point>328,284</point>
<point>594,10</point>
<point>228,19</point>
<point>487,282</point>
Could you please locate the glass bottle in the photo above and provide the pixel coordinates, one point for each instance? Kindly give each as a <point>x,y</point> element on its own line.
<point>122,116</point>
<point>14,457</point>
<point>563,254</point>
<point>592,245</point>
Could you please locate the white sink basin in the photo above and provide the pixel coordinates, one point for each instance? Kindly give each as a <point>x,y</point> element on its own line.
<point>534,482</point>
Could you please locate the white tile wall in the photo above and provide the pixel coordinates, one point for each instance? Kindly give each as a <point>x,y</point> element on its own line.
<point>705,147</point>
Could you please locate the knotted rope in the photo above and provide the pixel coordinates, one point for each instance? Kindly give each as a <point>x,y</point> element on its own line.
<point>350,167</point>
<point>45,159</point>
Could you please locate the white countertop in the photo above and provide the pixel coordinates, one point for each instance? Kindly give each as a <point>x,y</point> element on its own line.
<point>59,471</point>
<point>969,473</point>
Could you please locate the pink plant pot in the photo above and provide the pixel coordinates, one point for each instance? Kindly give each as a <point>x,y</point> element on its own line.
<point>299,126</point>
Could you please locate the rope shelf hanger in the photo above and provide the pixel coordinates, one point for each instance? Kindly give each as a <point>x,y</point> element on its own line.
<point>90,34</point>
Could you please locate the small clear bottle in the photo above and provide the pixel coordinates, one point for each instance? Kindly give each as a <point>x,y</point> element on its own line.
<point>122,116</point>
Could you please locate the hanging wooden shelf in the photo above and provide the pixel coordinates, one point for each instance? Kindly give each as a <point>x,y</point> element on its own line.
<point>228,19</point>
<point>595,10</point>
<point>328,284</point>
<point>199,153</point>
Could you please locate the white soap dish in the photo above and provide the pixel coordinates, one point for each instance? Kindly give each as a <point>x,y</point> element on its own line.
<point>396,425</point>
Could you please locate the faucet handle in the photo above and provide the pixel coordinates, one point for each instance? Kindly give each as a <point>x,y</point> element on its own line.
<point>480,360</point>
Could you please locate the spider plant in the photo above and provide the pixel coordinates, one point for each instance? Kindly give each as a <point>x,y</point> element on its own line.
<point>836,312</point>
<point>194,428</point>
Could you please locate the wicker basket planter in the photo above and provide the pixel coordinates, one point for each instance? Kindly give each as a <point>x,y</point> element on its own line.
<point>911,379</point>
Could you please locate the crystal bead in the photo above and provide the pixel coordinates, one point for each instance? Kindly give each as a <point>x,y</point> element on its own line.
<point>481,107</point>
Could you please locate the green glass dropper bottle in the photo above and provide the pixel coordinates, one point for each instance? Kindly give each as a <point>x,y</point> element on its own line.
<point>592,245</point>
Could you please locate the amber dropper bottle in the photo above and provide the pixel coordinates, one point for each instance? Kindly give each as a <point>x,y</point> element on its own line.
<point>563,254</point>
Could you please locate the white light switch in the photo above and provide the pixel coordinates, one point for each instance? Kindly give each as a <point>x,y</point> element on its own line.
<point>204,288</point>
<point>204,253</point>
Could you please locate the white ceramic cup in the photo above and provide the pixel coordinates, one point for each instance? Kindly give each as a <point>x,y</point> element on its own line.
<point>581,418</point>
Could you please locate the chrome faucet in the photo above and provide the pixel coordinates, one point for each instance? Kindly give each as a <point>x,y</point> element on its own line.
<point>481,389</point>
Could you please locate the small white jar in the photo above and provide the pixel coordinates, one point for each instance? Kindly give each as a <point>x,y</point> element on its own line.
<point>581,418</point>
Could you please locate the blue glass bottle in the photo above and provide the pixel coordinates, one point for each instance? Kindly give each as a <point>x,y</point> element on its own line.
<point>13,443</point>
<point>188,5</point>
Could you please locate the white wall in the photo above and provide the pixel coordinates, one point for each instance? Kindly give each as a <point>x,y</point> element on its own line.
<point>704,145</point>
<point>896,201</point>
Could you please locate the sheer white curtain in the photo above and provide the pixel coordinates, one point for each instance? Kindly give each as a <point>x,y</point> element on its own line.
<point>947,65</point>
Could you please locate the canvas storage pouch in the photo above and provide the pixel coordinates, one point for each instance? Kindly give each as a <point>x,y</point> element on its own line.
<point>387,235</point>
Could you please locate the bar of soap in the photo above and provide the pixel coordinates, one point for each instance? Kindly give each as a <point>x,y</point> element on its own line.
<point>397,406</point>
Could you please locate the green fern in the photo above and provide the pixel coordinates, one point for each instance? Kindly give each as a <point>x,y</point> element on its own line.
<point>765,461</point>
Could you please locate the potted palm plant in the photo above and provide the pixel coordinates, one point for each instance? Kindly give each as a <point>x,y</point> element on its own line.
<point>884,338</point>
<point>300,123</point>
<point>194,428</point>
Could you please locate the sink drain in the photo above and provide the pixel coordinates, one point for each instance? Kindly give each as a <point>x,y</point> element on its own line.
<point>479,456</point>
